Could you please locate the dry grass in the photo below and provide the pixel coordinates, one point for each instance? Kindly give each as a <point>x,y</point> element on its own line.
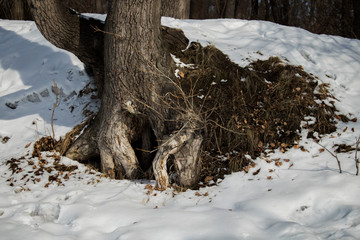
<point>245,111</point>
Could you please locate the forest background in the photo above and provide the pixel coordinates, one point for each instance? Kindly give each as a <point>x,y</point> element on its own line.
<point>334,17</point>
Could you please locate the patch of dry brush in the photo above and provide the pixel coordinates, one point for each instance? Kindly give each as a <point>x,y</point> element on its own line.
<point>245,111</point>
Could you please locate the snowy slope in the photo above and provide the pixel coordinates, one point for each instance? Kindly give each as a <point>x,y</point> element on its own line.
<point>28,66</point>
<point>304,198</point>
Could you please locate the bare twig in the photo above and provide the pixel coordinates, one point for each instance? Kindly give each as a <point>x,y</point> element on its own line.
<point>56,104</point>
<point>36,131</point>
<point>334,155</point>
<point>356,156</point>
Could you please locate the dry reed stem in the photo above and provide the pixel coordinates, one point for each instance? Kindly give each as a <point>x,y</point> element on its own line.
<point>334,155</point>
<point>356,156</point>
<point>56,104</point>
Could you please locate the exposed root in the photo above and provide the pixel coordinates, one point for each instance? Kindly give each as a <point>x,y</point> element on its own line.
<point>184,146</point>
<point>83,148</point>
<point>71,136</point>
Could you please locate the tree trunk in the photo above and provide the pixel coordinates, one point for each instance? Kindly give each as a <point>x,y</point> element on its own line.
<point>230,9</point>
<point>87,6</point>
<point>130,82</point>
<point>199,9</point>
<point>356,4</point>
<point>176,8</point>
<point>346,18</point>
<point>243,9</point>
<point>275,10</point>
<point>254,9</point>
<point>285,9</point>
<point>133,111</point>
<point>136,79</point>
<point>14,10</point>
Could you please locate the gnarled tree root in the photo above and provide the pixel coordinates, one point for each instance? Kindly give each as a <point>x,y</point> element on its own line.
<point>185,147</point>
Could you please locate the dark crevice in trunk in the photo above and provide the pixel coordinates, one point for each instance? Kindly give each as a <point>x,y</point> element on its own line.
<point>144,147</point>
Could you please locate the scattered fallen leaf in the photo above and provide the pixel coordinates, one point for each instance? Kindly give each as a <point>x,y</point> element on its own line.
<point>181,74</point>
<point>208,179</point>
<point>303,149</point>
<point>278,164</point>
<point>149,186</point>
<point>256,172</point>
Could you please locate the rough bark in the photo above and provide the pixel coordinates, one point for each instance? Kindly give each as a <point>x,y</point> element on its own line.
<point>135,80</point>
<point>130,86</point>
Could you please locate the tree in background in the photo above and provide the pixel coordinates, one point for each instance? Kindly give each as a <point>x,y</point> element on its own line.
<point>176,8</point>
<point>88,6</point>
<point>19,10</point>
<point>337,17</point>
<point>356,24</point>
<point>14,9</point>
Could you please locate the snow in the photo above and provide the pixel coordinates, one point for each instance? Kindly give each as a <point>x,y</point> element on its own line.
<point>296,195</point>
<point>28,66</point>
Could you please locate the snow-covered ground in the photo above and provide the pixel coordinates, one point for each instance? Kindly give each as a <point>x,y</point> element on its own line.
<point>304,197</point>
